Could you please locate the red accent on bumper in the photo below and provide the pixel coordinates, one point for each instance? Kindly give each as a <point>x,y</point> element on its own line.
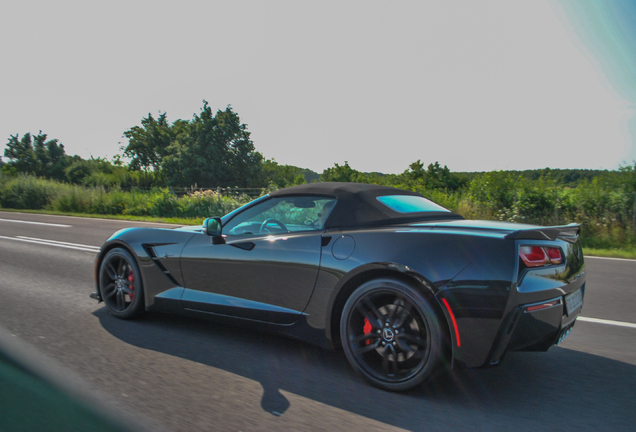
<point>452,315</point>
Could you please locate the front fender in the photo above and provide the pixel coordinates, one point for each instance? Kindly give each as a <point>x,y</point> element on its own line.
<point>157,252</point>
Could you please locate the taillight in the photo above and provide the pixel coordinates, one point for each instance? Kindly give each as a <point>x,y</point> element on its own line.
<point>539,256</point>
<point>554,254</point>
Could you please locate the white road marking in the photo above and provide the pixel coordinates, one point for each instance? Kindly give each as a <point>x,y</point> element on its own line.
<point>84,218</point>
<point>55,242</point>
<point>80,247</point>
<point>608,258</point>
<point>609,322</point>
<point>36,223</point>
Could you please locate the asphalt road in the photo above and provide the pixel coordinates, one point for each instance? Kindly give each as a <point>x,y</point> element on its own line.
<point>188,375</point>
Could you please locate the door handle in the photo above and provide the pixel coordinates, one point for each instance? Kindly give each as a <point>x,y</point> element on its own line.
<point>244,245</point>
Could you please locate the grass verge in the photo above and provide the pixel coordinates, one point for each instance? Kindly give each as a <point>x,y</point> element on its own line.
<point>176,221</point>
<point>610,253</point>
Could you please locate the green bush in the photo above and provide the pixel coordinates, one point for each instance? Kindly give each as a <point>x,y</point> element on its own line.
<point>603,207</point>
<point>27,192</point>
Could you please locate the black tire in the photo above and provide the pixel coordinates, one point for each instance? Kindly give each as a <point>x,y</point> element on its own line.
<point>120,284</point>
<point>391,335</point>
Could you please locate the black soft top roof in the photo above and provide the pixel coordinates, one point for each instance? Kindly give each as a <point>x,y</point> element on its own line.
<point>357,204</point>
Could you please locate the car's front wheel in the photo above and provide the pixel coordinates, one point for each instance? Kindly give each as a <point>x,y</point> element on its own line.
<point>391,334</point>
<point>120,284</point>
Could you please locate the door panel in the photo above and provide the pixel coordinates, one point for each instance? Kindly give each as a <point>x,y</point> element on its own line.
<point>271,280</point>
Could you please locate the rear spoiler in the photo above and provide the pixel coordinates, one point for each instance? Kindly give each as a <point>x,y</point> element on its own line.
<point>569,233</point>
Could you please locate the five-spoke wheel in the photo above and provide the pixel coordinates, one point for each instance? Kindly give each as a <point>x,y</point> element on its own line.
<point>120,284</point>
<point>391,334</point>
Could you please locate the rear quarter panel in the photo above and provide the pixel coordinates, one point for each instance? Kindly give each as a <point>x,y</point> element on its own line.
<point>473,272</point>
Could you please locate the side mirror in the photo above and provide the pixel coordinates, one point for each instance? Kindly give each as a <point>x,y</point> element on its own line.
<point>212,227</point>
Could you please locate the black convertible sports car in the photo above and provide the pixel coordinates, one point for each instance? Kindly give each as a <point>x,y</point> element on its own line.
<point>402,284</point>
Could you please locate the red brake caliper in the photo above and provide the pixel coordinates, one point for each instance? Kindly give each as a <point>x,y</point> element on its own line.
<point>131,279</point>
<point>367,329</point>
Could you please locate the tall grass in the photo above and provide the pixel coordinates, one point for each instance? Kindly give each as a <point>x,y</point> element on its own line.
<point>604,210</point>
<point>27,192</point>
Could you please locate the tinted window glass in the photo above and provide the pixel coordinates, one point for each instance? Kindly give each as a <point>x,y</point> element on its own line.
<point>410,204</point>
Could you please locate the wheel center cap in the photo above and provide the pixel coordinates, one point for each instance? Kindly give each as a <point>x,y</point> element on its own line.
<point>388,334</point>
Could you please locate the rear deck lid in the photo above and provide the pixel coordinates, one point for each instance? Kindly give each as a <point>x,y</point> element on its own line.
<point>507,230</point>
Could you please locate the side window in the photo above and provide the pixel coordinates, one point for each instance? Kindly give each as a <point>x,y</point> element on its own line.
<point>280,215</point>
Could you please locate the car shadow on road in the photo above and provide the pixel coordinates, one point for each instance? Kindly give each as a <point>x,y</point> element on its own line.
<point>559,390</point>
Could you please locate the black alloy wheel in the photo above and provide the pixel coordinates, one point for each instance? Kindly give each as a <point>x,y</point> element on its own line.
<point>391,334</point>
<point>120,284</point>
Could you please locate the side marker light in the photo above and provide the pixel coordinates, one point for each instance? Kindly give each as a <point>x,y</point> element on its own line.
<point>542,306</point>
<point>452,315</point>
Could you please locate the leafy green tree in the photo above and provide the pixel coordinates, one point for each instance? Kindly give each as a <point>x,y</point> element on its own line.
<point>101,172</point>
<point>213,150</point>
<point>55,159</point>
<point>340,173</point>
<point>282,176</point>
<point>497,189</point>
<point>77,171</point>
<point>627,177</point>
<point>148,144</point>
<point>433,177</point>
<point>35,155</point>
<point>20,154</point>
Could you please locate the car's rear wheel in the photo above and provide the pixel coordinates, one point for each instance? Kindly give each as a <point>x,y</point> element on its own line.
<point>120,284</point>
<point>391,334</point>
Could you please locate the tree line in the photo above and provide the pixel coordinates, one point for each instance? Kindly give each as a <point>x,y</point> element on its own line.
<point>215,149</point>
<point>210,150</point>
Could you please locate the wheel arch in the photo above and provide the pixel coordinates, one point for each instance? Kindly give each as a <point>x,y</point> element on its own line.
<point>102,254</point>
<point>390,271</point>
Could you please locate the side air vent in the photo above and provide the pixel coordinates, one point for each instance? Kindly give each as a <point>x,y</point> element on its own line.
<point>155,259</point>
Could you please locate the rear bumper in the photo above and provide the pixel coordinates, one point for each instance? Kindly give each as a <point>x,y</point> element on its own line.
<point>536,329</point>
<point>539,330</point>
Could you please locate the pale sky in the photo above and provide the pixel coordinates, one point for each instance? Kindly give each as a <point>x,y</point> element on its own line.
<point>475,85</point>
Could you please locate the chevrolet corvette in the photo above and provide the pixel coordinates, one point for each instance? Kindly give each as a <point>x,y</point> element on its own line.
<point>402,284</point>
